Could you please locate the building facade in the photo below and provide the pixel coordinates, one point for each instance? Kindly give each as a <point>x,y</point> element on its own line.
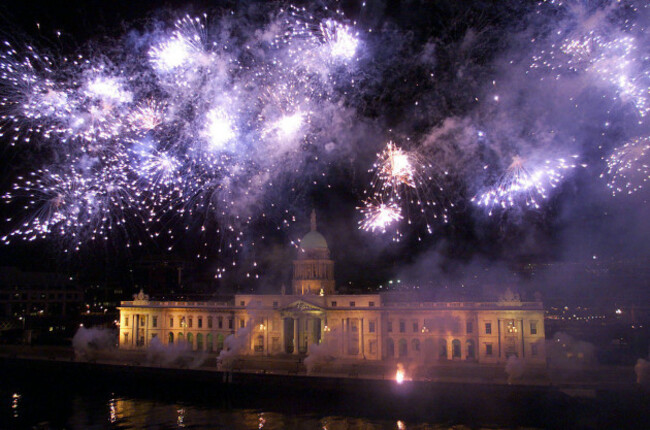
<point>358,326</point>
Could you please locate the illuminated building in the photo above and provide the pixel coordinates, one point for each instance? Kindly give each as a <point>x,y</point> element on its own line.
<point>357,326</point>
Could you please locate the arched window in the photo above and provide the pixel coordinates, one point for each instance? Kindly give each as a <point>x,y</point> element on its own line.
<point>455,348</point>
<point>190,338</point>
<point>171,338</point>
<point>429,349</point>
<point>199,342</point>
<point>470,349</point>
<point>208,341</point>
<point>415,346</point>
<point>390,348</point>
<point>442,348</point>
<point>403,348</point>
<point>219,342</point>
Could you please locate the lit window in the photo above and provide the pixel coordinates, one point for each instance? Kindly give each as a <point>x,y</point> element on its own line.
<point>511,327</point>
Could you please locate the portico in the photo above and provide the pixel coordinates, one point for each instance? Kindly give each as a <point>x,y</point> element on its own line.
<point>303,325</point>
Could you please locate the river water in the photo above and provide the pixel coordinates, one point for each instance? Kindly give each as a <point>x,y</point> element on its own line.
<point>56,398</point>
<point>51,409</point>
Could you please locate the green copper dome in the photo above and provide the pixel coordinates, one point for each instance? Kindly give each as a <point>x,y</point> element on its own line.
<point>313,240</point>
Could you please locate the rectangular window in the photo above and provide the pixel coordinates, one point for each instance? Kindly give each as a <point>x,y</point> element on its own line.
<point>154,322</point>
<point>189,322</point>
<point>373,347</point>
<point>219,322</point>
<point>389,327</point>
<point>275,305</point>
<point>533,349</point>
<point>415,326</point>
<point>333,304</point>
<point>488,349</point>
<point>126,338</point>
<point>402,326</point>
<point>242,323</point>
<point>171,322</point>
<point>371,304</point>
<point>533,327</point>
<point>182,321</point>
<point>230,323</point>
<point>209,322</point>
<point>470,327</point>
<point>242,303</point>
<point>352,304</point>
<point>126,321</point>
<point>371,327</point>
<point>141,321</point>
<point>488,330</point>
<point>200,322</point>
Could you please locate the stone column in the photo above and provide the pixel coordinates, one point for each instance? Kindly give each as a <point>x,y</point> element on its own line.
<point>296,337</point>
<point>342,337</point>
<point>362,349</point>
<point>267,329</point>
<point>282,335</point>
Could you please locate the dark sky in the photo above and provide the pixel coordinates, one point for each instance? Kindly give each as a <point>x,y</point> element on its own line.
<point>464,85</point>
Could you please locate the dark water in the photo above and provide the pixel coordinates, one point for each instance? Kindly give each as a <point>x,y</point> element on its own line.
<point>49,408</point>
<point>45,395</point>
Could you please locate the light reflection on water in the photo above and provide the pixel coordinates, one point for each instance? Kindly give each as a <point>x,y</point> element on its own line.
<point>128,413</point>
<point>39,410</point>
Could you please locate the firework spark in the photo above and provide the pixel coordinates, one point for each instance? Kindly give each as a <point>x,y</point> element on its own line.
<point>379,216</point>
<point>628,167</point>
<point>525,183</point>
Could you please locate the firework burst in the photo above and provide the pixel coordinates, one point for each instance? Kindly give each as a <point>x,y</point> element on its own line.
<point>628,167</point>
<point>405,181</point>
<point>525,183</point>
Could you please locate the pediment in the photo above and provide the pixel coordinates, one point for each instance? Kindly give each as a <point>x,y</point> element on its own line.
<point>300,306</point>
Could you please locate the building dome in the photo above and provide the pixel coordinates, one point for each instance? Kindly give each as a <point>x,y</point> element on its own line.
<point>313,240</point>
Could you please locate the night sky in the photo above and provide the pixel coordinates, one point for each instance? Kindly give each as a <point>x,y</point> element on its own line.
<point>465,89</point>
